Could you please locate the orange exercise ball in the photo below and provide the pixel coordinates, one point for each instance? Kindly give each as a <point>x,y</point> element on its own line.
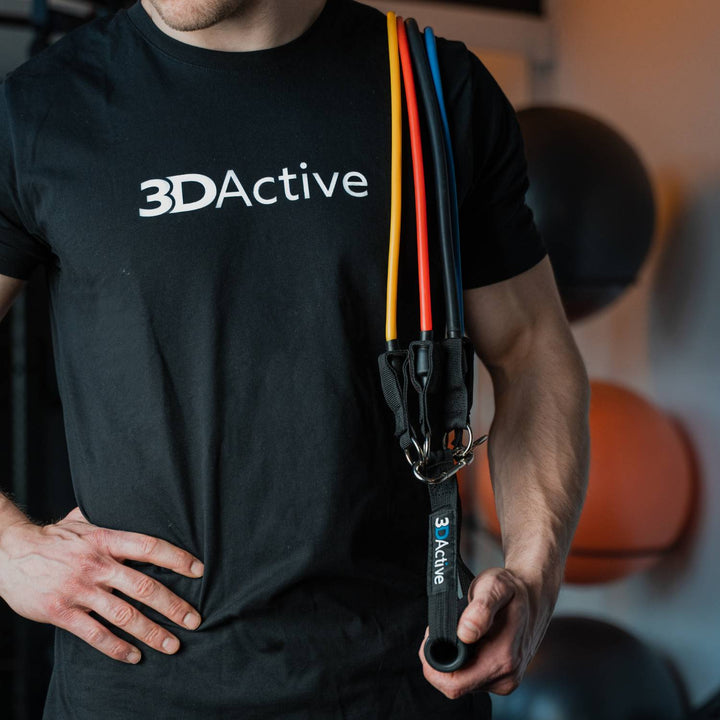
<point>640,493</point>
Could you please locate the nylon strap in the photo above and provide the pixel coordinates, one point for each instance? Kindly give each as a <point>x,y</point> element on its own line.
<point>448,578</point>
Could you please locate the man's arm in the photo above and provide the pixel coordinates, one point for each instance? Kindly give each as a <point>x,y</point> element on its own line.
<point>57,573</point>
<point>539,453</point>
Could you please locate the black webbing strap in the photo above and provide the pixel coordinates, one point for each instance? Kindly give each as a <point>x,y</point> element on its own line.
<point>448,578</point>
<point>428,387</point>
<point>393,366</point>
<point>459,359</point>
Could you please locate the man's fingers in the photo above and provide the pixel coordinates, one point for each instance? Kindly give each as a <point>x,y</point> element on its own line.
<point>421,651</point>
<point>154,594</point>
<point>133,622</point>
<point>489,593</point>
<point>95,634</point>
<point>75,514</point>
<point>505,685</point>
<point>149,549</point>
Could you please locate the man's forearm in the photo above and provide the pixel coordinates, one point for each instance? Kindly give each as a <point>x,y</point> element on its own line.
<point>539,454</point>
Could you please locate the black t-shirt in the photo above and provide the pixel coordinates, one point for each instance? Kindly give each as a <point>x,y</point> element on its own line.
<point>214,227</point>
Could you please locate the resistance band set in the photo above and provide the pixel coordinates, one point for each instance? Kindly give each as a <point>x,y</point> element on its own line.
<point>429,385</point>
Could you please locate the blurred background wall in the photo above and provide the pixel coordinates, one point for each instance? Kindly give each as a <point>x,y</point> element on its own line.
<point>14,41</point>
<point>651,71</point>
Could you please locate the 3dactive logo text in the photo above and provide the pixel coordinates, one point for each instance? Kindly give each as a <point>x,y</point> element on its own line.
<point>171,193</point>
<point>442,531</point>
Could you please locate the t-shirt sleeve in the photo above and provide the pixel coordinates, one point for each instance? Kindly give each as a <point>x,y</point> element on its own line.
<point>21,251</point>
<point>499,238</point>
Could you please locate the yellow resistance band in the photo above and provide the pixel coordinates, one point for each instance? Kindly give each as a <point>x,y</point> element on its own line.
<point>396,181</point>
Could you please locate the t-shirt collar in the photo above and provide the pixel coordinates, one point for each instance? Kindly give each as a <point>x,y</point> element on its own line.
<point>227,59</point>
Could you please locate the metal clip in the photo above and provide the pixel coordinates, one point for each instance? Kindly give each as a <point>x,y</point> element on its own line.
<point>445,475</point>
<point>462,457</point>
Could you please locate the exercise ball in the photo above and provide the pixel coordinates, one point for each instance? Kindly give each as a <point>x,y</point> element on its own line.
<point>640,493</point>
<point>591,670</point>
<point>592,201</point>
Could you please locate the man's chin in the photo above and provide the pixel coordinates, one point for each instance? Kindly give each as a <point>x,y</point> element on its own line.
<point>190,15</point>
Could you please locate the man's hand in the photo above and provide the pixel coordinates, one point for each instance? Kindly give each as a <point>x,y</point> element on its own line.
<point>505,620</point>
<point>58,573</point>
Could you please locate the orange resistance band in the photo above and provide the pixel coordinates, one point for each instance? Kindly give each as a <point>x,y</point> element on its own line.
<point>419,177</point>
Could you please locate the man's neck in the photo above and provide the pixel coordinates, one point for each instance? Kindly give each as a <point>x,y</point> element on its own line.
<point>258,26</point>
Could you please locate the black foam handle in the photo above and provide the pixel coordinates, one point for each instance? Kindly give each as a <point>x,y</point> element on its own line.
<point>445,655</point>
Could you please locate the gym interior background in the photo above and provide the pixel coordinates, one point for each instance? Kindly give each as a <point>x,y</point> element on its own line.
<point>648,70</point>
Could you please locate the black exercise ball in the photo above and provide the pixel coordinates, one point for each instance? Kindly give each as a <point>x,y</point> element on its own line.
<point>593,204</point>
<point>588,669</point>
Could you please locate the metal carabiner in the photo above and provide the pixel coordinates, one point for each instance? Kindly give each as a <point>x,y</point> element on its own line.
<point>446,475</point>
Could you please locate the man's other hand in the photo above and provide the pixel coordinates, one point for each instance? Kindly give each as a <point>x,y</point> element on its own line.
<point>505,620</point>
<point>58,573</point>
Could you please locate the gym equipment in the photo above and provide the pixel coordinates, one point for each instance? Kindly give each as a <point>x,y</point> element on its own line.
<point>428,385</point>
<point>593,204</point>
<point>641,490</point>
<point>588,669</point>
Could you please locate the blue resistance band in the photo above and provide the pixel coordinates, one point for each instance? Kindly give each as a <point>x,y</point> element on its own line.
<point>431,48</point>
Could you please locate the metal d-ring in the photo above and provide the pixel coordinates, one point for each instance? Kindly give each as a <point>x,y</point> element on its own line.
<point>408,457</point>
<point>457,452</point>
<point>422,452</point>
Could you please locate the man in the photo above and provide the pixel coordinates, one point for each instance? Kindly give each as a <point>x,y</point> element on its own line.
<point>207,183</point>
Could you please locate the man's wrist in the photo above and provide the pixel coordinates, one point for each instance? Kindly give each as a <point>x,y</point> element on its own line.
<point>542,567</point>
<point>10,514</point>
